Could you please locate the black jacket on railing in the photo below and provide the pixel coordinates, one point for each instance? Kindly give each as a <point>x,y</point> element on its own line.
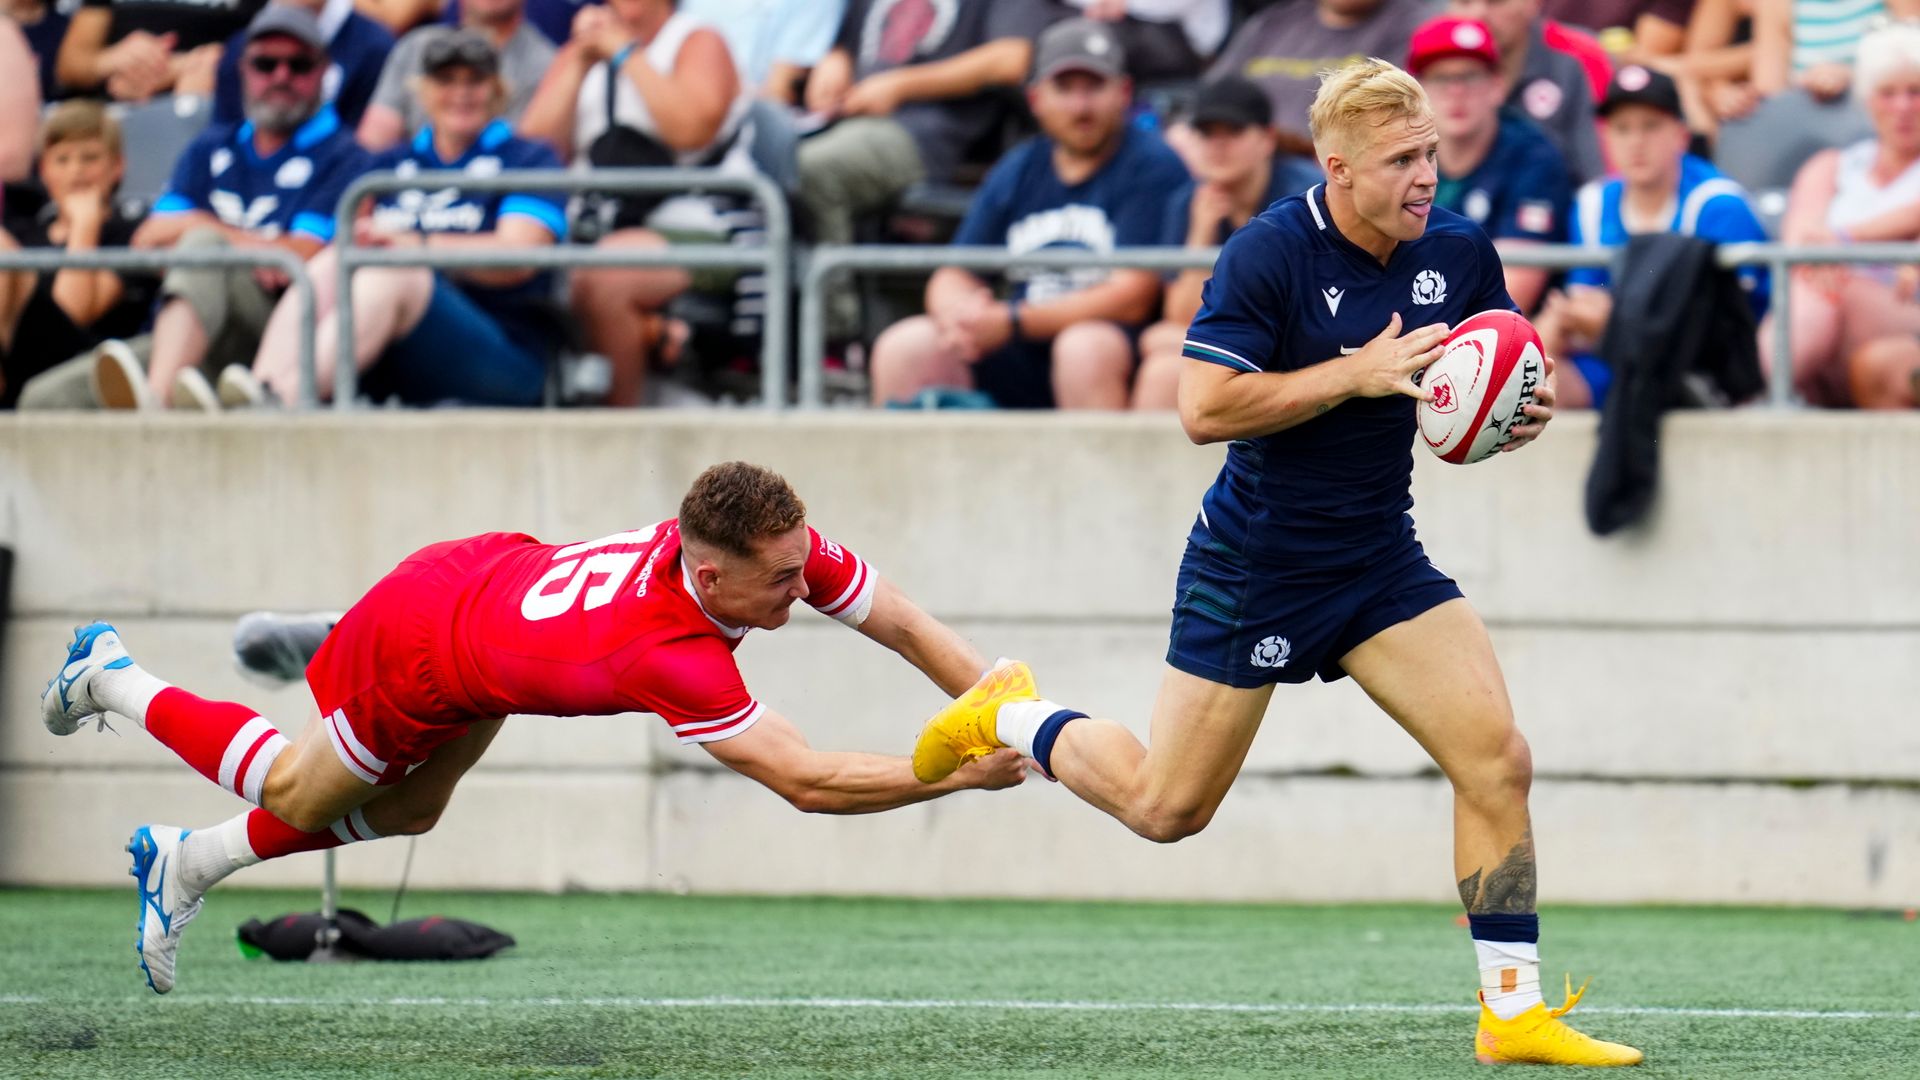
<point>1681,336</point>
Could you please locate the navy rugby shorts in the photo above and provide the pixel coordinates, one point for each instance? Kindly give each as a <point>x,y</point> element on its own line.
<point>1247,624</point>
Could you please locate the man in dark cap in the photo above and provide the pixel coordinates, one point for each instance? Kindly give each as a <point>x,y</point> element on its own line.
<point>1091,180</point>
<point>1237,172</point>
<point>356,48</point>
<point>271,181</point>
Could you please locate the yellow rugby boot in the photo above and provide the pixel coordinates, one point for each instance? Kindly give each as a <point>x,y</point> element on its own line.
<point>1539,1037</point>
<point>964,730</point>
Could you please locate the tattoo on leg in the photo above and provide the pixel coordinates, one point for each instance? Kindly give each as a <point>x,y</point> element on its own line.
<point>1510,889</point>
<point>1469,890</point>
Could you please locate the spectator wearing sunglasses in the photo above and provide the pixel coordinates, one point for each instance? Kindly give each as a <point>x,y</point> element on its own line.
<point>271,181</point>
<point>356,48</point>
<point>423,336</point>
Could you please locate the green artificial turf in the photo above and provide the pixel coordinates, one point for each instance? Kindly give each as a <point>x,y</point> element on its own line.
<point>664,986</point>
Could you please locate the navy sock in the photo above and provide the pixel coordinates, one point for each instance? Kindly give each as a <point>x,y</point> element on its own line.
<point>1524,927</point>
<point>1049,731</point>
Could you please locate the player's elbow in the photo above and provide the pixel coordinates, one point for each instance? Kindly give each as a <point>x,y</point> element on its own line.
<point>808,790</point>
<point>1170,825</point>
<point>812,800</point>
<point>1202,425</point>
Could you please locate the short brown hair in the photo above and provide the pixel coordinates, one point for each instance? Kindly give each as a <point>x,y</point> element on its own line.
<point>72,121</point>
<point>733,505</point>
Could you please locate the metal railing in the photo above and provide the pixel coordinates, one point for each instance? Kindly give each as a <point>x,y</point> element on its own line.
<point>50,260</point>
<point>774,258</point>
<point>825,261</point>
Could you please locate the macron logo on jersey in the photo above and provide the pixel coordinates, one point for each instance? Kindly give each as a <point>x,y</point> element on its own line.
<point>1333,296</point>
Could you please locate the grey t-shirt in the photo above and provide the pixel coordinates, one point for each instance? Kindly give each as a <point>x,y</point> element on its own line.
<point>523,61</point>
<point>1285,47</point>
<point>1554,93</point>
<point>884,34</point>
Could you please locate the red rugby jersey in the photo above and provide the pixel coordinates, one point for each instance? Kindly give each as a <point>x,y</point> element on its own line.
<point>610,626</point>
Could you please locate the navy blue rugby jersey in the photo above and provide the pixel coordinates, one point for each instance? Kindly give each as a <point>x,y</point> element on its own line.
<point>1289,292</point>
<point>293,191</point>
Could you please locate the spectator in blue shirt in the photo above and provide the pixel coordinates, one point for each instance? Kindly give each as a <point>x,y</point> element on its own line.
<point>1232,152</point>
<point>356,48</point>
<point>1496,167</point>
<point>423,336</point>
<point>1661,188</point>
<point>1091,181</point>
<point>272,181</point>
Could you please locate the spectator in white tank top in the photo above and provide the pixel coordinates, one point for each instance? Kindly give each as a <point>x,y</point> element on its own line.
<point>1854,327</point>
<point>679,90</point>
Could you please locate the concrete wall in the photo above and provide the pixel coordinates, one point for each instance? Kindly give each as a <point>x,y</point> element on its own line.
<point>1721,703</point>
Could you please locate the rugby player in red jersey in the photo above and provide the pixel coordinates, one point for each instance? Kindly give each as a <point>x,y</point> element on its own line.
<point>416,679</point>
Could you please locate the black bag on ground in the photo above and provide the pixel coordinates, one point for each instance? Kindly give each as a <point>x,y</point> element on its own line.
<point>1681,336</point>
<point>293,937</point>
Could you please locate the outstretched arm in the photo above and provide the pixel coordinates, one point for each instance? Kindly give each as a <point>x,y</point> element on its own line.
<point>774,753</point>
<point>922,640</point>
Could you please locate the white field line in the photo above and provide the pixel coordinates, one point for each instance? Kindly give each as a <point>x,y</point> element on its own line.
<point>852,1004</point>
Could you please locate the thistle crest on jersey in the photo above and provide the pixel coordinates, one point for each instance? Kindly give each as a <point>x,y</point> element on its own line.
<point>1430,288</point>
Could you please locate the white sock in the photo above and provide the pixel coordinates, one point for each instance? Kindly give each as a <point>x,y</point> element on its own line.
<point>1020,721</point>
<point>128,691</point>
<point>212,853</point>
<point>1509,975</point>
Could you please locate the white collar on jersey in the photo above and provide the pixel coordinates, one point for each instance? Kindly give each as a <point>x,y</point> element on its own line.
<point>693,590</point>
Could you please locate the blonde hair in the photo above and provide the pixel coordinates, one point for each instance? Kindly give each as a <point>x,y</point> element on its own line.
<point>72,121</point>
<point>1884,51</point>
<point>1371,92</point>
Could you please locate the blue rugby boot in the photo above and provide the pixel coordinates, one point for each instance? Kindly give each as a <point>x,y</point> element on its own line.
<point>67,705</point>
<point>167,902</point>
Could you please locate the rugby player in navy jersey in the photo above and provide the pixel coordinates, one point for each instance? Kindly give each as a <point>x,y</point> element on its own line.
<point>1303,559</point>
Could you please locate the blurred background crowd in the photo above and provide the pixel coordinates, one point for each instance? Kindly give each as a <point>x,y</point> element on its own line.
<point>1017,124</point>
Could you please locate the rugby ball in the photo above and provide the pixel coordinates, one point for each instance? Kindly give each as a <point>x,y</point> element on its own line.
<point>1487,375</point>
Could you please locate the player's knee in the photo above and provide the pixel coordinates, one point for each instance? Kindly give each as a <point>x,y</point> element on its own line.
<point>416,821</point>
<point>1502,775</point>
<point>283,796</point>
<point>305,816</point>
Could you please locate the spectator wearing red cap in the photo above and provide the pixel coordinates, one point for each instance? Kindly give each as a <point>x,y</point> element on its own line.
<point>1496,167</point>
<point>1551,87</point>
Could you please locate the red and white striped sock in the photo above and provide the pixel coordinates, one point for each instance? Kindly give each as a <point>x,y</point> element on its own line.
<point>227,743</point>
<point>255,836</point>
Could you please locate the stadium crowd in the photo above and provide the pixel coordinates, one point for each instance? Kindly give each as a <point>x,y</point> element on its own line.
<point>1023,124</point>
